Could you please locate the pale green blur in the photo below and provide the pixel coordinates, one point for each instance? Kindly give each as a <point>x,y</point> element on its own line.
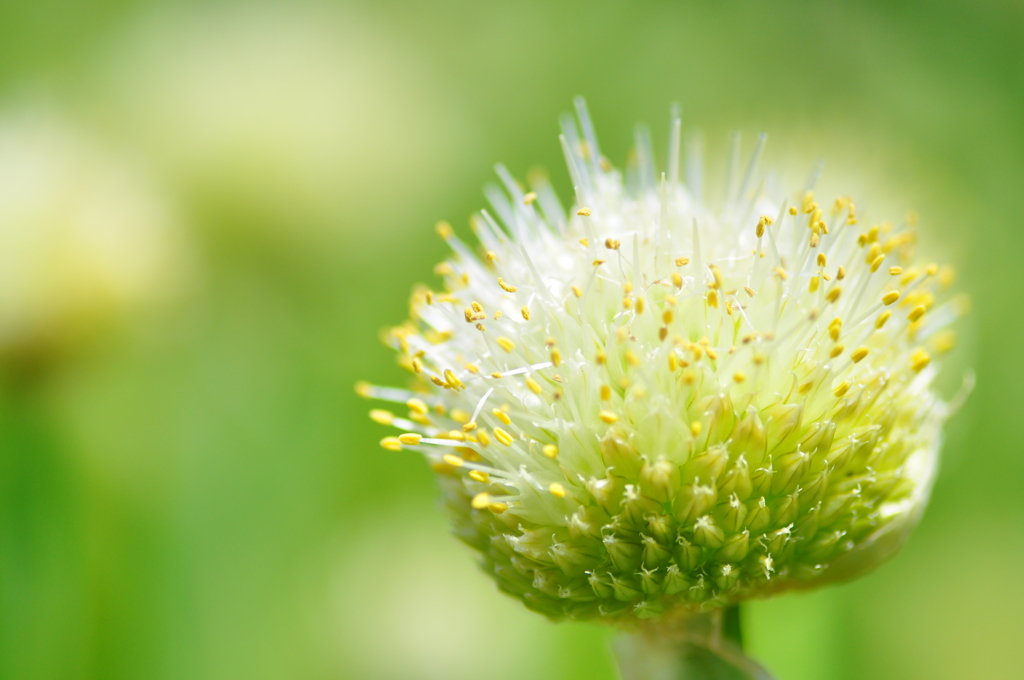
<point>189,487</point>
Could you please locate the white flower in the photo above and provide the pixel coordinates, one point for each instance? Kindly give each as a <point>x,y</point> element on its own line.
<point>646,405</point>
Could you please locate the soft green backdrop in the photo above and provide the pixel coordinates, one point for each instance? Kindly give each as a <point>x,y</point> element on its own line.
<point>194,491</point>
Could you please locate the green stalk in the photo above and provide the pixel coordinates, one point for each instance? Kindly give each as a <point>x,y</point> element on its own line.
<point>706,646</point>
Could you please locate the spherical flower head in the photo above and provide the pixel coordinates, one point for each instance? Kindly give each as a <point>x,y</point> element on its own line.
<point>646,406</point>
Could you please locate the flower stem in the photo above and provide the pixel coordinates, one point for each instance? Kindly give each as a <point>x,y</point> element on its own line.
<point>705,646</point>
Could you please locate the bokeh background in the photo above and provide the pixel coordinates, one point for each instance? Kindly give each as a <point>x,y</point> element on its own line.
<point>208,210</point>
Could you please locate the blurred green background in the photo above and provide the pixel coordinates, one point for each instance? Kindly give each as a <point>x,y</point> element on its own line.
<point>189,487</point>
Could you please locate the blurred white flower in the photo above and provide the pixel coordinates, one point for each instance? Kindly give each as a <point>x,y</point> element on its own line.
<point>83,233</point>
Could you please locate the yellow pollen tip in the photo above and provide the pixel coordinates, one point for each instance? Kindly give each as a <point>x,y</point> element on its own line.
<point>834,294</point>
<point>481,501</point>
<point>550,450</point>
<point>410,438</point>
<point>480,476</point>
<point>842,389</point>
<point>877,262</point>
<point>890,297</point>
<point>498,508</point>
<point>895,271</point>
<point>417,406</point>
<point>452,459</point>
<point>584,212</point>
<point>859,354</point>
<point>836,351</point>
<point>391,443</point>
<point>557,490</point>
<point>502,416</point>
<point>682,261</point>
<point>502,436</point>
<point>577,291</point>
<point>882,318</point>
<point>533,385</point>
<point>469,427</point>
<point>444,230</point>
<point>379,415</point>
<point>916,313</point>
<point>529,198</point>
<point>695,428</point>
<point>506,287</point>
<point>608,416</point>
<point>919,359</point>
<point>506,344</point>
<point>739,376</point>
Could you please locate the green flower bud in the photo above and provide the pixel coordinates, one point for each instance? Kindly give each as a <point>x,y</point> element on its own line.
<point>647,408</point>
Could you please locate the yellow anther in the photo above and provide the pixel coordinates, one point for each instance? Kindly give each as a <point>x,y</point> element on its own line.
<point>470,426</point>
<point>557,490</point>
<point>606,393</point>
<point>813,285</point>
<point>932,269</point>
<point>890,297</point>
<point>859,354</point>
<point>612,244</point>
<point>713,298</point>
<point>882,318</point>
<point>379,415</point>
<point>682,261</point>
<point>916,313</point>
<point>695,428</point>
<point>502,416</point>
<point>453,460</point>
<point>533,385</point>
<point>627,303</point>
<point>608,416</point>
<point>792,210</point>
<point>666,316</point>
<point>550,450</point>
<point>712,354</point>
<point>556,356</point>
<point>364,389</point>
<point>481,500</point>
<point>739,376</point>
<point>628,287</point>
<point>640,305</point>
<point>506,344</point>
<point>491,255</point>
<point>814,239</point>
<point>525,311</point>
<point>477,307</point>
<point>601,358</point>
<point>410,438</point>
<point>505,287</point>
<point>748,290</point>
<point>842,388</point>
<point>944,342</point>
<point>895,271</point>
<point>417,406</point>
<point>529,198</point>
<point>782,273</point>
<point>919,359</point>
<point>716,273</point>
<point>473,368</point>
<point>673,362</point>
<point>585,243</point>
<point>877,262</point>
<point>504,437</point>
<point>759,229</point>
<point>417,365</point>
<point>631,358</point>
<point>479,476</point>
<point>444,230</point>
<point>677,280</point>
<point>585,212</point>
<point>809,207</point>
<point>455,435</point>
<point>498,508</point>
<point>836,351</point>
<point>822,260</point>
<point>834,294</point>
<point>577,291</point>
<point>598,263</point>
<point>841,274</point>
<point>483,437</point>
<point>670,300</point>
<point>391,443</point>
<point>452,380</point>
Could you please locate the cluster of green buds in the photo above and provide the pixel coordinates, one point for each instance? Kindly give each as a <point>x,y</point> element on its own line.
<point>645,407</point>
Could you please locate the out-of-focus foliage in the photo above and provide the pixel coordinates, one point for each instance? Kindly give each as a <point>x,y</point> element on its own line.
<point>195,491</point>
